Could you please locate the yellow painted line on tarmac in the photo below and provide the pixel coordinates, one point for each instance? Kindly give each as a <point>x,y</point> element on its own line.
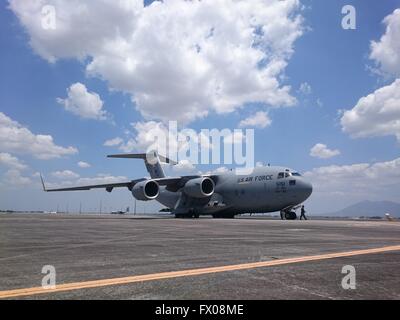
<point>187,273</point>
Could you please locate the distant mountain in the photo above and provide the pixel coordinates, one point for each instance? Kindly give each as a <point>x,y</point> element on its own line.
<point>369,209</point>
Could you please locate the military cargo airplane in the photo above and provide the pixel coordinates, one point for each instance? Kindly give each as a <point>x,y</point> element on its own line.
<point>224,195</point>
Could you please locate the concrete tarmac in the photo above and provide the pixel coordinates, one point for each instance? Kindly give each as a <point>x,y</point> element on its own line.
<point>93,247</point>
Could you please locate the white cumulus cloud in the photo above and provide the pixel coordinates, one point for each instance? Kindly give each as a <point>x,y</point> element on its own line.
<point>145,138</point>
<point>386,51</point>
<point>219,170</point>
<point>377,114</point>
<point>338,186</point>
<point>184,167</point>
<point>258,120</point>
<point>359,177</point>
<point>81,102</point>
<point>154,135</point>
<point>14,179</point>
<point>10,161</point>
<point>83,164</point>
<point>321,151</point>
<point>113,142</point>
<point>178,60</point>
<point>66,174</point>
<point>16,138</point>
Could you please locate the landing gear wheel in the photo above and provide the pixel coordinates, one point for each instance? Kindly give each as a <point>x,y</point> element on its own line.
<point>290,215</point>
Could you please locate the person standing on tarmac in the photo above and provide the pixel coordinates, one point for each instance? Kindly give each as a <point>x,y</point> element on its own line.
<point>303,211</point>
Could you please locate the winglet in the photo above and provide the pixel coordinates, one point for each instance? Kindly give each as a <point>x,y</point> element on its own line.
<point>44,187</point>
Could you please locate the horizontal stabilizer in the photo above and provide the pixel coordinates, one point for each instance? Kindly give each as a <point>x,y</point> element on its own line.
<point>151,159</point>
<point>140,156</point>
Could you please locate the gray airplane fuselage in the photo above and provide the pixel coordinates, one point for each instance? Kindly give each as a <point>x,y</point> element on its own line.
<point>264,189</point>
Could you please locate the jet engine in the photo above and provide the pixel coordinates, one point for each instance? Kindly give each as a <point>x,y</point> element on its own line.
<point>199,187</point>
<point>146,190</point>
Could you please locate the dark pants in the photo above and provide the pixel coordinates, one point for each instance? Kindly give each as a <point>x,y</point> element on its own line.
<point>303,216</point>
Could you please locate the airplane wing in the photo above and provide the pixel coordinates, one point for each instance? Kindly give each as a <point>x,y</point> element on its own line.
<point>173,183</point>
<point>108,186</point>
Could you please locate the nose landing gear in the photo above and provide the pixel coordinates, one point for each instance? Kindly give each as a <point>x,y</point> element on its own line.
<point>288,215</point>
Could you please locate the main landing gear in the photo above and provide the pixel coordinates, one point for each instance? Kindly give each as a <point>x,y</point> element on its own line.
<point>191,214</point>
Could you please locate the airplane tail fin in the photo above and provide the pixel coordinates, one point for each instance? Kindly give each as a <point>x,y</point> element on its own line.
<point>151,159</point>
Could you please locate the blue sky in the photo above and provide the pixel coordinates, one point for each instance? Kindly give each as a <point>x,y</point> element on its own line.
<point>333,62</point>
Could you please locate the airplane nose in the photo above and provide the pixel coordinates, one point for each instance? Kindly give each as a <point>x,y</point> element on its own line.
<point>306,189</point>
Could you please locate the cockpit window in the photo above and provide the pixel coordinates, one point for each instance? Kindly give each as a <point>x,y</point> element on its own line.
<point>287,174</point>
<point>296,174</point>
<point>281,175</point>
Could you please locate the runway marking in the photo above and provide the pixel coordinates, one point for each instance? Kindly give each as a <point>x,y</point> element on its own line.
<point>187,273</point>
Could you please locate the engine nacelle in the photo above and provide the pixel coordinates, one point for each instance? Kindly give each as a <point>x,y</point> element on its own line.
<point>146,190</point>
<point>199,187</point>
